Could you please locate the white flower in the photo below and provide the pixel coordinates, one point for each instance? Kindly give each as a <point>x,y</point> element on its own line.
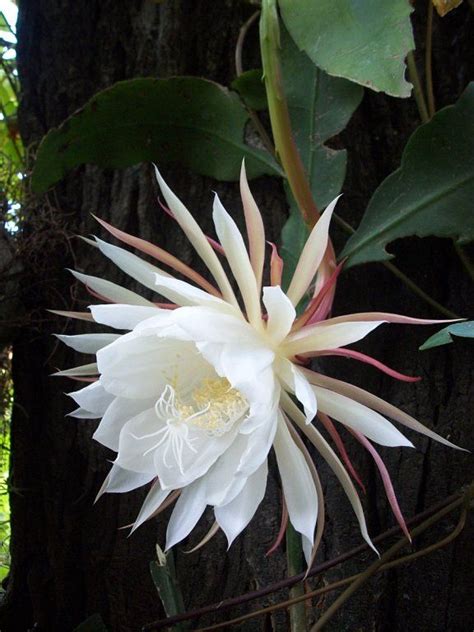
<point>200,389</point>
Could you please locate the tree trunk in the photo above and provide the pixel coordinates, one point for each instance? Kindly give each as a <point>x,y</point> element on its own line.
<point>69,558</point>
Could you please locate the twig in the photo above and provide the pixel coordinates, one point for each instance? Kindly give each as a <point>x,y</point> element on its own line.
<point>290,581</point>
<point>417,89</point>
<point>428,60</point>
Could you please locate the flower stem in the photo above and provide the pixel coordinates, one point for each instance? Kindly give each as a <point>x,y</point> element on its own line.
<point>428,57</point>
<point>279,116</point>
<point>417,89</point>
<point>295,562</point>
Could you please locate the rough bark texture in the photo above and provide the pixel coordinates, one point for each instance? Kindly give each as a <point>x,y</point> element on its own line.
<point>69,560</point>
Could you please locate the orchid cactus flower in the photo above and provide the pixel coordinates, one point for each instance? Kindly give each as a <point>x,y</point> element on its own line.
<point>207,381</point>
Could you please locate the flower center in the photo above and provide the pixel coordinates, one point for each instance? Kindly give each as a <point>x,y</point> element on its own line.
<point>213,406</point>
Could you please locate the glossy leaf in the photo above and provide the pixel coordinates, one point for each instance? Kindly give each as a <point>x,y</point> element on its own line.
<point>444,337</point>
<point>251,89</point>
<point>430,194</point>
<point>185,120</point>
<point>365,41</point>
<point>320,107</point>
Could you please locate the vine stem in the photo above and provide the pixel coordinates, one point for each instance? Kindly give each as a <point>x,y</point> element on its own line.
<point>346,580</point>
<point>294,555</point>
<point>262,132</point>
<point>428,60</point>
<point>290,581</point>
<point>416,289</point>
<point>386,557</point>
<point>417,89</point>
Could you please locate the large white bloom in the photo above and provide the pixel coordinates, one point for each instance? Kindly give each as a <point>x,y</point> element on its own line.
<point>201,388</point>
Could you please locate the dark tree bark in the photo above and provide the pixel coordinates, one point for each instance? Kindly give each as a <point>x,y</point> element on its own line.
<point>69,560</point>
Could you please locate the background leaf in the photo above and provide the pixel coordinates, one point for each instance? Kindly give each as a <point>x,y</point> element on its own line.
<point>251,88</point>
<point>185,120</point>
<point>320,107</point>
<point>443,337</point>
<point>365,41</point>
<point>431,193</point>
<point>94,623</point>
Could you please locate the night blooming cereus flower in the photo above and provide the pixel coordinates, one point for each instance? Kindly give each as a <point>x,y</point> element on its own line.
<point>200,389</point>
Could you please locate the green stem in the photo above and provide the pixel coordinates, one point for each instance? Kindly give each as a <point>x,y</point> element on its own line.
<point>416,289</point>
<point>417,89</point>
<point>428,58</point>
<point>279,116</point>
<point>295,563</point>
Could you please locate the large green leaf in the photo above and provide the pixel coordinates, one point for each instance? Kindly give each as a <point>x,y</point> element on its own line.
<point>251,88</point>
<point>444,337</point>
<point>365,41</point>
<point>320,107</point>
<point>431,193</point>
<point>185,120</point>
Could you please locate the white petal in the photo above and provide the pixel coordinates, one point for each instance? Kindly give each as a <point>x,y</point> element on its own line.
<point>122,316</point>
<point>298,486</point>
<point>239,262</point>
<point>295,381</point>
<point>93,397</point>
<point>111,291</point>
<point>203,324</point>
<point>281,313</point>
<point>198,239</point>
<point>235,515</point>
<point>221,480</point>
<point>85,370</point>
<point>135,441</point>
<point>183,293</point>
<point>255,228</point>
<point>116,416</point>
<point>120,480</point>
<point>87,343</point>
<point>361,418</point>
<point>189,508</point>
<point>319,337</point>
<point>333,461</point>
<point>82,413</point>
<point>311,257</point>
<point>259,444</point>
<point>131,264</point>
<point>155,497</point>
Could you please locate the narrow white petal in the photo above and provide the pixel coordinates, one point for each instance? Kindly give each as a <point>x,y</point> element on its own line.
<point>87,343</point>
<point>120,480</point>
<point>85,370</point>
<point>110,290</point>
<point>295,381</point>
<point>255,228</point>
<point>198,239</point>
<point>311,257</point>
<point>239,262</point>
<point>189,508</point>
<point>155,497</point>
<point>183,293</point>
<point>378,404</point>
<point>298,486</point>
<point>82,413</point>
<point>361,418</point>
<point>235,515</point>
<point>134,266</point>
<point>259,443</point>
<point>333,461</point>
<point>281,313</point>
<point>205,324</point>
<point>93,397</point>
<point>125,316</point>
<point>322,337</point>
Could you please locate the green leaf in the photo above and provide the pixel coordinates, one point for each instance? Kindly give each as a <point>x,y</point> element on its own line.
<point>251,88</point>
<point>365,41</point>
<point>94,623</point>
<point>320,107</point>
<point>444,337</point>
<point>430,194</point>
<point>185,120</point>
